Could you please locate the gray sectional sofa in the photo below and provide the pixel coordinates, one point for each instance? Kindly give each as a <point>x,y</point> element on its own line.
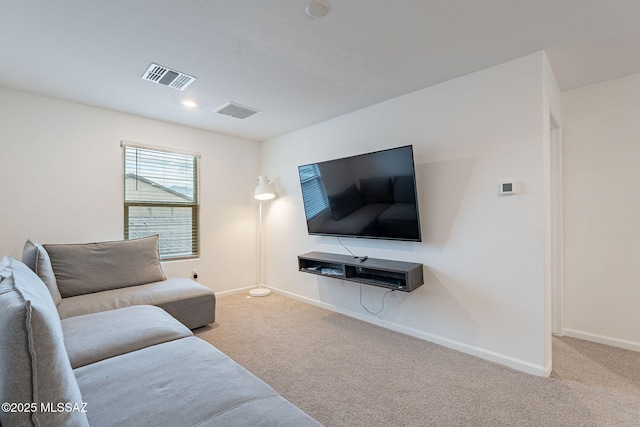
<point>92,277</point>
<point>381,206</point>
<point>123,363</point>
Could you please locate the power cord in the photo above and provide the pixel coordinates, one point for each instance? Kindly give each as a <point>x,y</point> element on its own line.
<point>383,297</point>
<point>361,258</point>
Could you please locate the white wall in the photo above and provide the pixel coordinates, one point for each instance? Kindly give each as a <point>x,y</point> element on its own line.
<point>601,139</point>
<point>62,182</point>
<point>483,255</point>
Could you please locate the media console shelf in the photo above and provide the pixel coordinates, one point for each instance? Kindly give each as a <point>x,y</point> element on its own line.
<point>398,275</point>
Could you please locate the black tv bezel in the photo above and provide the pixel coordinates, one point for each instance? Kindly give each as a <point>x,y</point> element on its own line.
<point>354,236</point>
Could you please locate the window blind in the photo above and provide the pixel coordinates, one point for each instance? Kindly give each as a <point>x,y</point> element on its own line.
<point>315,198</point>
<point>161,197</point>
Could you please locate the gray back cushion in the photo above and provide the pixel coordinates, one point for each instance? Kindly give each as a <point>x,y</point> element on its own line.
<point>404,189</point>
<point>93,267</point>
<point>377,190</point>
<point>345,202</point>
<point>34,364</point>
<point>37,259</point>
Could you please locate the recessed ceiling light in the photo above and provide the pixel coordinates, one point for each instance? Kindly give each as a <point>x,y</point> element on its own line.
<point>317,8</point>
<point>189,103</point>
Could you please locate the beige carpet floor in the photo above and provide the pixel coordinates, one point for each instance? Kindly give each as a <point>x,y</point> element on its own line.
<point>345,372</point>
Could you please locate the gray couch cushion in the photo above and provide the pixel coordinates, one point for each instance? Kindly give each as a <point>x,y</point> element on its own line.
<point>98,336</point>
<point>377,190</point>
<point>186,382</point>
<point>399,221</point>
<point>93,267</point>
<point>188,301</point>
<point>33,361</point>
<point>361,221</point>
<point>404,189</point>
<point>345,202</point>
<point>37,259</point>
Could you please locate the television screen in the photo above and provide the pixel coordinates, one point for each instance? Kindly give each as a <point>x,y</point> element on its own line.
<point>370,195</point>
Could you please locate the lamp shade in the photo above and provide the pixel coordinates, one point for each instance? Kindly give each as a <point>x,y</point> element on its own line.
<point>265,189</point>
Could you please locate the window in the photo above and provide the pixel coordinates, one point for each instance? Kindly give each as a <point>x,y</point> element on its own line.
<point>161,197</point>
<point>315,198</point>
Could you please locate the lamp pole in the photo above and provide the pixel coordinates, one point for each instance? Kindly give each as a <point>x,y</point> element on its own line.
<point>262,195</point>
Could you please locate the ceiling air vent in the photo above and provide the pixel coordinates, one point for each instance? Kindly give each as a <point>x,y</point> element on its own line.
<point>236,110</point>
<point>167,77</point>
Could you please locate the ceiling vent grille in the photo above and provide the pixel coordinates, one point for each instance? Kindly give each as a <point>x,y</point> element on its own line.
<point>167,77</point>
<point>236,110</point>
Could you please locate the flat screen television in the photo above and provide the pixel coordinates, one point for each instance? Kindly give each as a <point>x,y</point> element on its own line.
<point>370,195</point>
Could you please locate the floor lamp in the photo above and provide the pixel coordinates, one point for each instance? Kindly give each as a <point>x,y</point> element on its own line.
<point>264,191</point>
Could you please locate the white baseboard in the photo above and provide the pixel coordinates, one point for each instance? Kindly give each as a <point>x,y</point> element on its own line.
<point>235,291</point>
<point>601,339</point>
<point>482,353</point>
<point>520,365</point>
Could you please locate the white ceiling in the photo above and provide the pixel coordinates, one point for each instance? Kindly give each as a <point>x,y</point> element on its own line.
<point>298,70</point>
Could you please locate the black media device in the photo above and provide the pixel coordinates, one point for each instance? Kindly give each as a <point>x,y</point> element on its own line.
<point>370,195</point>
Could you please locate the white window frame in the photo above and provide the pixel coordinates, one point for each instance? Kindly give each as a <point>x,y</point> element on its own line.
<point>172,245</point>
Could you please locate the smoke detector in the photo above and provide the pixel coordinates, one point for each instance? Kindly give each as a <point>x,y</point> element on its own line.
<point>236,110</point>
<point>167,77</point>
<point>317,8</point>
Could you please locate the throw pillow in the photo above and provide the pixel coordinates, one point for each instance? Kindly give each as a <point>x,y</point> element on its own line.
<point>37,259</point>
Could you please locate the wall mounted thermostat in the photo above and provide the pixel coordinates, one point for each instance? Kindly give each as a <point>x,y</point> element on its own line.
<point>507,188</point>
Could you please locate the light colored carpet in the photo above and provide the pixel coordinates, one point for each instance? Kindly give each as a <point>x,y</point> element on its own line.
<point>345,372</point>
